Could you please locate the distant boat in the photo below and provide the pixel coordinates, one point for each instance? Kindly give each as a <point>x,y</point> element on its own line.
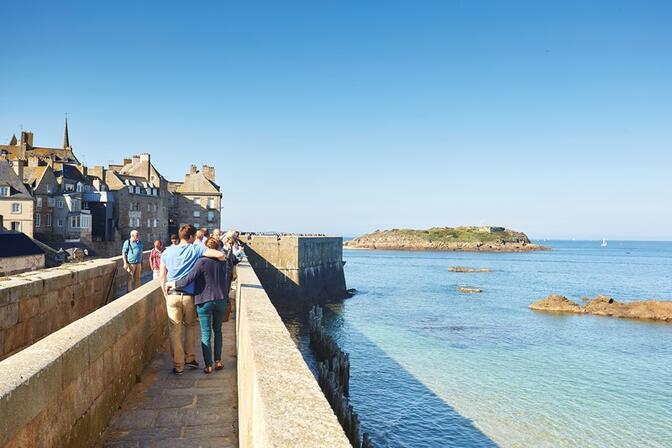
<point>604,243</point>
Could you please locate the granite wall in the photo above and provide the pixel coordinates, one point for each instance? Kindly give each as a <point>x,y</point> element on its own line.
<point>279,401</point>
<point>64,389</point>
<point>298,268</point>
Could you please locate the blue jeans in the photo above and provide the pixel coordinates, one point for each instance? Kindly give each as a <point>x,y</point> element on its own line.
<point>211,315</point>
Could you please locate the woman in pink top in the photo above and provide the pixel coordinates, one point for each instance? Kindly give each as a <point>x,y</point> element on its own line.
<point>155,258</point>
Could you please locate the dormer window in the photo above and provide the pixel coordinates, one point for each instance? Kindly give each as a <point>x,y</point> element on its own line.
<point>79,187</point>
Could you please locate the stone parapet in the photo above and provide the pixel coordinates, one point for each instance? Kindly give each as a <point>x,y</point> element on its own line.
<point>64,389</point>
<point>35,304</point>
<point>295,268</point>
<point>279,401</point>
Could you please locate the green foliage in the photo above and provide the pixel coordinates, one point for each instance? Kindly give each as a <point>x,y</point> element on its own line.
<point>454,235</point>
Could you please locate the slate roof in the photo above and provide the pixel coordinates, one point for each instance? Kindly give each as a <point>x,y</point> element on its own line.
<point>9,177</point>
<point>16,244</point>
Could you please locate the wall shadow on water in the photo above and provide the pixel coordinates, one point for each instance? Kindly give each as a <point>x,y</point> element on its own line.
<point>396,408</point>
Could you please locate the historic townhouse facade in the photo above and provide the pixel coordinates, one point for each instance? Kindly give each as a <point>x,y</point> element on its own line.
<point>48,193</point>
<point>141,198</point>
<point>16,202</point>
<point>197,200</point>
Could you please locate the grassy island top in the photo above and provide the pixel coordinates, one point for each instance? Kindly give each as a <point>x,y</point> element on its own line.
<point>461,234</point>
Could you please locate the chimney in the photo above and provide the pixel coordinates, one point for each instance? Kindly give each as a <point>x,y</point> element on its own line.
<point>27,138</point>
<point>127,161</point>
<point>18,168</point>
<point>136,160</point>
<point>209,172</point>
<point>33,161</point>
<point>192,169</point>
<point>97,171</point>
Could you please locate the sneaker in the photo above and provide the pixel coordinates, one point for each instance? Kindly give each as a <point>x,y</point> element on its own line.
<point>177,372</point>
<point>192,364</point>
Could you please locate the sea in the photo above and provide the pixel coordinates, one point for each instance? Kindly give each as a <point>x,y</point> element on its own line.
<point>434,367</point>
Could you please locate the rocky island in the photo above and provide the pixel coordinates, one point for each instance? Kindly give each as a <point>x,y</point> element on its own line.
<point>465,239</point>
<point>607,306</point>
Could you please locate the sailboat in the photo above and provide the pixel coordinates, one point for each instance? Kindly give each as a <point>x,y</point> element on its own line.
<point>604,243</point>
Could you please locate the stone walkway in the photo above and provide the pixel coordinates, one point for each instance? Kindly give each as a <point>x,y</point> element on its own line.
<point>192,410</point>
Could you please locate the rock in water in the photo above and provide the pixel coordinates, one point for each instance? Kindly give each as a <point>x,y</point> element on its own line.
<point>557,304</point>
<point>607,306</point>
<point>468,290</point>
<point>467,269</point>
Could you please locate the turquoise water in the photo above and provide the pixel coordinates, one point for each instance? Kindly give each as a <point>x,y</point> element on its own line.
<point>433,367</point>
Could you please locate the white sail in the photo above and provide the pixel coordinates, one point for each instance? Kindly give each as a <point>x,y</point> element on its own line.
<point>604,242</point>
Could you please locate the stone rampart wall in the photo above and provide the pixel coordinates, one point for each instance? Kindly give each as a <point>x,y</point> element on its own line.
<point>279,402</point>
<point>35,304</point>
<point>63,390</point>
<point>298,268</point>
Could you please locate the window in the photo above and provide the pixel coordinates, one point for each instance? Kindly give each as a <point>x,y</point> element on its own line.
<point>137,190</point>
<point>156,222</point>
<point>4,191</point>
<point>197,202</point>
<point>50,189</point>
<point>149,207</point>
<point>59,222</point>
<point>16,226</point>
<point>79,187</point>
<point>69,187</point>
<point>39,202</point>
<point>197,225</point>
<point>38,220</point>
<point>149,222</point>
<point>50,202</point>
<point>211,216</point>
<point>155,191</point>
<point>74,222</point>
<point>211,202</point>
<point>130,189</point>
<point>86,222</point>
<point>197,214</point>
<point>59,203</point>
<point>49,220</point>
<point>16,207</point>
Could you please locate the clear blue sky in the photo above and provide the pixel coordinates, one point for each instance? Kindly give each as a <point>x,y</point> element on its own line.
<point>554,118</point>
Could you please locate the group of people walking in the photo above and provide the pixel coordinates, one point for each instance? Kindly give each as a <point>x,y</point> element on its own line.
<point>195,273</point>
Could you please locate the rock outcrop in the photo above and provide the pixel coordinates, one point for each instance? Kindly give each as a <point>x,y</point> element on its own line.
<point>467,269</point>
<point>607,306</point>
<point>557,304</point>
<point>464,239</point>
<point>469,290</point>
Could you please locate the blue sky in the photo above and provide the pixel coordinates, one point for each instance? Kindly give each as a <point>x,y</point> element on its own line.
<point>554,118</point>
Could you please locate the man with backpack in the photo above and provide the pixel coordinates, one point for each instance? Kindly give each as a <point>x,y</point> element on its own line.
<point>131,253</point>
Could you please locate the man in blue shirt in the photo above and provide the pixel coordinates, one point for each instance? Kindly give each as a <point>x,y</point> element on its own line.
<point>176,262</point>
<point>131,253</point>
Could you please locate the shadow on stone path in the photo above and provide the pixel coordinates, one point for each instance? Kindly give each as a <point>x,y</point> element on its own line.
<point>194,409</point>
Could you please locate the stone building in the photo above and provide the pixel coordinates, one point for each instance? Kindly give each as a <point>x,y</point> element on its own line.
<point>141,198</point>
<point>40,179</point>
<point>19,254</point>
<point>16,202</point>
<point>23,149</point>
<point>197,200</point>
